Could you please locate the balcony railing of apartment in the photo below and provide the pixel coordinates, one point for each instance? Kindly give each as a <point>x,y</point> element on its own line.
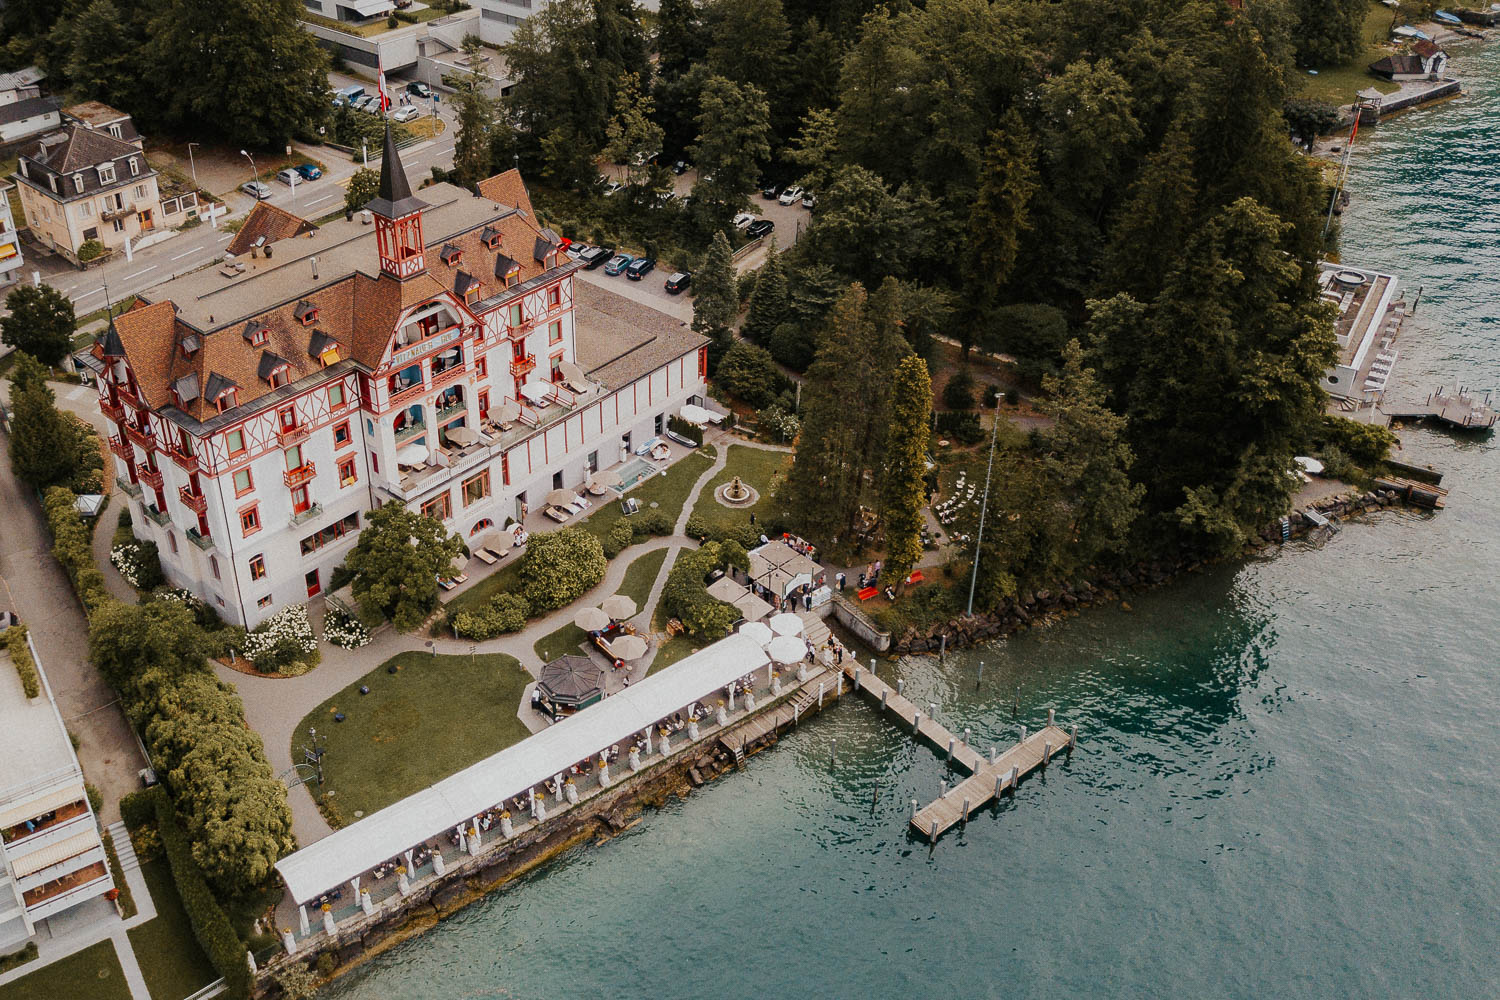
<point>121,449</point>
<point>528,414</point>
<point>518,331</point>
<point>142,437</point>
<point>111,214</point>
<point>203,542</point>
<point>299,476</point>
<point>18,834</point>
<point>161,517</point>
<point>408,393</point>
<point>522,366</point>
<point>302,516</point>
<point>151,477</point>
<point>288,436</point>
<point>195,502</point>
<point>448,375</point>
<point>126,485</point>
<point>410,431</point>
<point>114,411</point>
<point>67,883</point>
<point>449,410</point>
<point>185,460</point>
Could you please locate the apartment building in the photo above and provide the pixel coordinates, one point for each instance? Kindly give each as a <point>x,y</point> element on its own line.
<point>442,356</point>
<point>10,241</point>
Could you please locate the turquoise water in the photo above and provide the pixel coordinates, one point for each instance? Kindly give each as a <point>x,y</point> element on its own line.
<point>1284,785</point>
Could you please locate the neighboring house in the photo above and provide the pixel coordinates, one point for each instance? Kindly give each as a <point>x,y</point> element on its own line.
<point>89,180</point>
<point>10,241</point>
<point>443,357</point>
<point>51,857</point>
<point>20,85</point>
<point>1425,61</point>
<point>24,112</point>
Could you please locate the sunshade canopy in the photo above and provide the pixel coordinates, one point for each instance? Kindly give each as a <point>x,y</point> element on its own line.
<point>751,607</point>
<point>591,619</point>
<point>757,632</point>
<point>537,392</point>
<point>628,647</point>
<point>786,624</point>
<point>461,435</point>
<point>412,454</point>
<point>787,649</point>
<point>695,414</point>
<point>726,589</point>
<point>572,680</point>
<point>509,413</point>
<point>618,607</point>
<point>562,498</point>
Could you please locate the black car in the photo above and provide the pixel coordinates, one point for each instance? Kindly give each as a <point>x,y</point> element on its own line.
<point>418,89</point>
<point>639,268</point>
<point>680,167</point>
<point>597,257</point>
<point>759,228</point>
<point>769,191</point>
<point>677,282</point>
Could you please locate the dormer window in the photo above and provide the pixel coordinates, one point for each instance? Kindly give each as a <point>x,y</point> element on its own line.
<point>451,255</point>
<point>472,293</point>
<point>114,130</point>
<point>257,333</point>
<point>135,166</point>
<point>189,345</point>
<point>106,173</point>
<point>78,184</point>
<point>279,376</point>
<point>228,399</point>
<point>324,348</point>
<point>491,237</point>
<point>275,369</point>
<point>306,313</point>
<point>506,269</point>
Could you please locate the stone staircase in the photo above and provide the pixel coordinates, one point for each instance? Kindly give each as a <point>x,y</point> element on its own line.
<point>124,849</point>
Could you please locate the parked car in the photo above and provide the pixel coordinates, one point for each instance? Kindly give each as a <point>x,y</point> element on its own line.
<point>596,257</point>
<point>419,89</point>
<point>678,281</point>
<point>619,262</point>
<point>791,195</point>
<point>759,228</point>
<point>405,114</point>
<point>348,95</point>
<point>809,201</point>
<point>370,103</point>
<point>336,98</point>
<point>288,176</point>
<point>259,190</point>
<point>743,220</point>
<point>577,250</point>
<point>639,268</point>
<point>310,171</point>
<point>680,167</point>
<point>769,191</point>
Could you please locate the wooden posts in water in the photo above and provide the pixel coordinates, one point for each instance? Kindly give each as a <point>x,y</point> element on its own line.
<point>856,677</point>
<point>965,820</point>
<point>900,687</point>
<point>943,788</point>
<point>916,722</point>
<point>943,646</point>
<point>833,751</point>
<point>1046,755</point>
<point>966,736</point>
<point>1072,738</point>
<point>952,740</point>
<point>883,694</point>
<point>1051,717</point>
<point>980,679</point>
<point>913,808</point>
<point>820,696</point>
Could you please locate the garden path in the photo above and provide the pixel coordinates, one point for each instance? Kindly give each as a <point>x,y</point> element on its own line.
<point>104,534</point>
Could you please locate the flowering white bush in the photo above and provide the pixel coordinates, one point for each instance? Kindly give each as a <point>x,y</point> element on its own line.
<point>343,631</point>
<point>281,640</point>
<point>130,559</point>
<point>177,595</point>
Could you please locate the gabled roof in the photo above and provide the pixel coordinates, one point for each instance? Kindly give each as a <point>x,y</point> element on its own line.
<point>253,327</point>
<point>1398,64</point>
<point>394,198</point>
<point>505,267</point>
<point>318,343</point>
<point>489,235</point>
<point>76,147</point>
<point>30,108</point>
<point>450,253</point>
<point>462,282</point>
<point>265,225</point>
<point>190,343</point>
<point>270,363</point>
<point>217,386</point>
<point>507,189</point>
<point>1425,49</point>
<point>186,387</point>
<point>25,77</point>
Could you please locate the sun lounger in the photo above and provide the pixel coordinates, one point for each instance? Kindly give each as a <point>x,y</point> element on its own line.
<point>484,556</point>
<point>558,514</point>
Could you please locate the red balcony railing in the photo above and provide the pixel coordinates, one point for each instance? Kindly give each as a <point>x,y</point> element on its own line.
<point>195,502</point>
<point>185,460</point>
<point>448,375</point>
<point>149,476</point>
<point>114,411</point>
<point>144,438</point>
<point>121,449</point>
<point>410,393</point>
<point>288,436</point>
<point>523,366</point>
<point>299,476</point>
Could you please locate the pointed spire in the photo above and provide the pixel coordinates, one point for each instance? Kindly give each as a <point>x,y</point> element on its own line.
<point>394,199</point>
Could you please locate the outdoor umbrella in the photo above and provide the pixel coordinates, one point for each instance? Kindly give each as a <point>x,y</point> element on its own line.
<point>628,647</point>
<point>618,607</point>
<point>758,632</point>
<point>786,624</point>
<point>572,680</point>
<point>787,649</point>
<point>509,413</point>
<point>412,454</point>
<point>751,607</point>
<point>497,541</point>
<point>604,479</point>
<point>462,436</point>
<point>591,619</point>
<point>725,589</point>
<point>561,498</point>
<point>537,392</point>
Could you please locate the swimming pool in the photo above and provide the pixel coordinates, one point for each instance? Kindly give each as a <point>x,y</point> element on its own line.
<point>635,472</point>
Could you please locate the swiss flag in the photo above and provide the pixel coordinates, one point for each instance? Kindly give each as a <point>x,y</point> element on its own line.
<point>385,99</point>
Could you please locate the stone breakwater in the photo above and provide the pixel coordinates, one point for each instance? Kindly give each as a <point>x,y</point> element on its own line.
<point>1040,606</point>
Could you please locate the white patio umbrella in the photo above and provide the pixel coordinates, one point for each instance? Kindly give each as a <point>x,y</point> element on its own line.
<point>462,436</point>
<point>787,649</point>
<point>758,632</point>
<point>497,541</point>
<point>629,647</point>
<point>412,454</point>
<point>608,477</point>
<point>618,607</point>
<point>561,498</point>
<point>509,413</point>
<point>591,619</point>
<point>786,623</point>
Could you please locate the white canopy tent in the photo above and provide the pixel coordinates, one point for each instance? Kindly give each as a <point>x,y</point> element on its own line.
<point>457,799</point>
<point>539,393</point>
<point>695,414</point>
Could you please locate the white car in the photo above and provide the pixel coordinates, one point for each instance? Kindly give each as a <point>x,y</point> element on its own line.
<point>612,188</point>
<point>743,220</point>
<point>405,113</point>
<point>577,250</point>
<point>791,196</point>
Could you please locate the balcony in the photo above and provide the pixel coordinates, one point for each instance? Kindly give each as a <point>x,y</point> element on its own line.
<point>407,393</point>
<point>141,436</point>
<point>299,476</point>
<point>122,450</point>
<point>114,411</point>
<point>523,366</point>
<point>111,214</point>
<point>129,488</point>
<point>303,516</point>
<point>161,517</point>
<point>448,375</point>
<point>288,436</point>
<point>410,431</point>
<point>149,476</point>
<point>195,502</point>
<point>185,460</point>
<point>202,541</point>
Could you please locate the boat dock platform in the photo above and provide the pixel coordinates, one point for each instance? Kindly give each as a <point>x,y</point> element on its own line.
<point>989,777</point>
<point>1461,409</point>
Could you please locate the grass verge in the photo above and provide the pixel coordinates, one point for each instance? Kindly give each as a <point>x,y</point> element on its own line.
<point>762,470</point>
<point>639,577</point>
<point>94,973</point>
<point>175,967</point>
<point>434,716</point>
<point>1340,84</point>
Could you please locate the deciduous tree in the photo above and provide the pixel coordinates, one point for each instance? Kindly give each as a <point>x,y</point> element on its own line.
<point>364,184</point>
<point>561,566</point>
<point>734,128</point>
<point>40,323</point>
<point>397,562</point>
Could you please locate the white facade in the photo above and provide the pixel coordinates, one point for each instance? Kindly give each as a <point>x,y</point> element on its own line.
<point>11,260</point>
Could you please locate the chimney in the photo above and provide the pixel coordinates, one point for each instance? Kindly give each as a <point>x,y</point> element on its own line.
<point>314,267</point>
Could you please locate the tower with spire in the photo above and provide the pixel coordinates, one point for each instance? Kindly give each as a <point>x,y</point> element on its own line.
<point>398,217</point>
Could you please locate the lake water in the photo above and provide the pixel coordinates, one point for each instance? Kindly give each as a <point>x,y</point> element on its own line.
<point>1284,785</point>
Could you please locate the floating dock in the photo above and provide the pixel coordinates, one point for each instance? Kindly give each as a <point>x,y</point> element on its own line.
<point>1461,409</point>
<point>988,777</point>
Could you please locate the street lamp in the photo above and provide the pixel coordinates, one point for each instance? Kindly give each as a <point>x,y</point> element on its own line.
<point>191,162</point>
<point>253,167</point>
<point>985,502</point>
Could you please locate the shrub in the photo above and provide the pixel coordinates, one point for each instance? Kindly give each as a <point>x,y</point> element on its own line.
<point>126,898</point>
<point>778,424</point>
<point>138,562</point>
<point>747,535</point>
<point>1364,444</point>
<point>621,534</point>
<point>343,631</point>
<point>284,639</point>
<point>650,524</point>
<point>750,373</point>
<point>18,958</point>
<point>90,250</point>
<point>505,613</point>
<point>96,800</point>
<point>961,425</point>
<point>685,428</point>
<point>561,566</point>
<point>958,394</point>
<point>20,655</point>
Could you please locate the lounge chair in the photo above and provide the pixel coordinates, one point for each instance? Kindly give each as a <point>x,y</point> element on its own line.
<point>484,555</point>
<point>558,514</point>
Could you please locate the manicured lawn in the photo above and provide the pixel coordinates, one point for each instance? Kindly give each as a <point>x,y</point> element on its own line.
<point>93,973</point>
<point>668,492</point>
<point>763,470</point>
<point>1340,84</point>
<point>674,649</point>
<point>170,959</point>
<point>639,577</point>
<point>436,715</point>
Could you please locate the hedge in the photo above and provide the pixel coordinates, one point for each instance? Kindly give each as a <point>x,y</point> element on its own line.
<point>505,613</point>
<point>210,923</point>
<point>127,899</point>
<point>20,655</point>
<point>71,545</point>
<point>691,431</point>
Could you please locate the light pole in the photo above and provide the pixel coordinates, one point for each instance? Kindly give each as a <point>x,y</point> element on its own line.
<point>984,503</point>
<point>254,169</point>
<point>191,163</point>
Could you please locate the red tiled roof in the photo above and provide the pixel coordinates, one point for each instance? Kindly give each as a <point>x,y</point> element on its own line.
<point>269,222</point>
<point>507,189</point>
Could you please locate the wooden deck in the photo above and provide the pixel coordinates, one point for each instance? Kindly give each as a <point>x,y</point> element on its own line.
<point>987,779</point>
<point>1460,409</point>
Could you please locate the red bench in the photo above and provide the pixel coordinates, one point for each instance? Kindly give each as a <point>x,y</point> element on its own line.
<point>867,593</point>
<point>916,577</point>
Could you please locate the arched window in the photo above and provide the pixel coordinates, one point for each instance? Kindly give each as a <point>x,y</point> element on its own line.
<point>480,525</point>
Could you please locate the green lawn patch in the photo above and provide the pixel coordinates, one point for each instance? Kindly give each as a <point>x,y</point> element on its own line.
<point>170,959</point>
<point>639,577</point>
<point>674,649</point>
<point>1340,84</point>
<point>668,492</point>
<point>94,973</point>
<point>763,470</point>
<point>436,715</point>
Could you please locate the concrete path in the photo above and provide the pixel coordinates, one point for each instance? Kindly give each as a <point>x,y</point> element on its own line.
<point>104,533</point>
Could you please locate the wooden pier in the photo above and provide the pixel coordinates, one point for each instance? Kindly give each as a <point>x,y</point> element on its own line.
<point>1461,409</point>
<point>988,777</point>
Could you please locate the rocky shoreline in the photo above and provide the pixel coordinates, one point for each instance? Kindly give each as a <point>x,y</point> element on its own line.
<point>1041,606</point>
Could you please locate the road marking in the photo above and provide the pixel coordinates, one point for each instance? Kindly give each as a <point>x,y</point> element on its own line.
<point>317,201</point>
<point>92,291</point>
<point>190,253</point>
<point>226,237</point>
<point>139,273</point>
